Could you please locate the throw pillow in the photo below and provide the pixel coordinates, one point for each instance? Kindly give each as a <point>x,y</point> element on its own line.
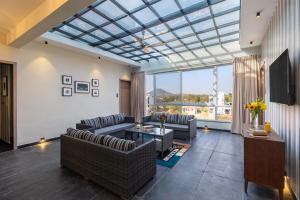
<point>119,118</point>
<point>95,122</point>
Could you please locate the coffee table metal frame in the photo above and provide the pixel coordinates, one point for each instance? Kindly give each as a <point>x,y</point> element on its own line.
<point>164,135</point>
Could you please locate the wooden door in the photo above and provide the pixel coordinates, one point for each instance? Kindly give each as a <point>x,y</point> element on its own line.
<point>6,104</point>
<point>124,97</point>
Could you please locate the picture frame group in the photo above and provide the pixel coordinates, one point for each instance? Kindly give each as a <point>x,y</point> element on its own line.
<point>82,87</point>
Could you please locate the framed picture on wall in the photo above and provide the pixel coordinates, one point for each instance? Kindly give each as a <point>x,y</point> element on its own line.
<point>66,91</point>
<point>4,86</point>
<point>66,80</point>
<point>95,82</point>
<point>82,87</point>
<point>95,92</point>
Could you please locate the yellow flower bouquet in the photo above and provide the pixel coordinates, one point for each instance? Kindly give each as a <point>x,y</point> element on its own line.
<point>255,107</point>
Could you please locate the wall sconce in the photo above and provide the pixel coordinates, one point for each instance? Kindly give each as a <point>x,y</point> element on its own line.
<point>258,15</point>
<point>42,140</point>
<point>206,128</point>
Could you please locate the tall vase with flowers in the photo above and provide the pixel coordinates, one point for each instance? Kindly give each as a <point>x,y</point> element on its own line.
<point>256,107</point>
<point>162,120</point>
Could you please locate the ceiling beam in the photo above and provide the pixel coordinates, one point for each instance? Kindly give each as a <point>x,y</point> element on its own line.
<point>43,18</point>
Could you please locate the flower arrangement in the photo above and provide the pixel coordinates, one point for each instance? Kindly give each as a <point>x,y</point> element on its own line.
<point>162,118</point>
<point>255,107</point>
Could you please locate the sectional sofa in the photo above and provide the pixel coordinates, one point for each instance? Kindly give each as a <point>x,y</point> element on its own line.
<point>184,126</point>
<point>108,125</point>
<point>115,164</point>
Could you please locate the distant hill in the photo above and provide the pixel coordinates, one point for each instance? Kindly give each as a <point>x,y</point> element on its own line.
<point>160,92</point>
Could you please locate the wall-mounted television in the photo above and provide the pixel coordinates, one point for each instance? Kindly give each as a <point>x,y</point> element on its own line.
<point>281,80</point>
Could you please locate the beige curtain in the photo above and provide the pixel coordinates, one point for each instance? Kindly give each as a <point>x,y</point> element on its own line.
<point>248,84</point>
<point>138,96</point>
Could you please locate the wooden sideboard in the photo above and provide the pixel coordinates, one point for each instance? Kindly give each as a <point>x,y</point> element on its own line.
<point>264,160</point>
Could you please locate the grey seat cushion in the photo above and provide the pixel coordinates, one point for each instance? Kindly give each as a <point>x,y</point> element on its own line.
<point>178,127</point>
<point>113,129</point>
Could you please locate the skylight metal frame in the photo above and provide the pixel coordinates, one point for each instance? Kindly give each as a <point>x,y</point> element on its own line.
<point>155,53</point>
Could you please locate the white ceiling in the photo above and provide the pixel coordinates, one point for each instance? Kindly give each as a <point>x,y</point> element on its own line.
<point>13,11</point>
<point>252,28</point>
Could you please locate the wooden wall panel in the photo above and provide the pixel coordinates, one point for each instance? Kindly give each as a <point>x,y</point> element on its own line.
<point>284,32</point>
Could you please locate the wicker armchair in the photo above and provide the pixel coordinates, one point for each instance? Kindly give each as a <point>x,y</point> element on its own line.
<point>123,173</point>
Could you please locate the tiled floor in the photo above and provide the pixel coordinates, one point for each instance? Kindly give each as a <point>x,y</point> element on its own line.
<point>211,170</point>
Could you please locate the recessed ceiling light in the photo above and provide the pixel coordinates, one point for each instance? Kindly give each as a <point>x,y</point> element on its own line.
<point>258,15</point>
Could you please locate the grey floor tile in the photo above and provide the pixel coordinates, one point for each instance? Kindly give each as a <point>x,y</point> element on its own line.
<point>230,145</point>
<point>212,187</point>
<point>175,186</point>
<point>226,165</point>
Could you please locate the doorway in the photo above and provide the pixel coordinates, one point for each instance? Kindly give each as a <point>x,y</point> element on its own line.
<point>124,97</point>
<point>6,107</point>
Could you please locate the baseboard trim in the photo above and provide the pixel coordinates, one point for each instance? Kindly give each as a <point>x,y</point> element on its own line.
<point>214,129</point>
<point>35,143</point>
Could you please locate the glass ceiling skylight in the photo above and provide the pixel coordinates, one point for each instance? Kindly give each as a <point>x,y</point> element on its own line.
<point>180,31</point>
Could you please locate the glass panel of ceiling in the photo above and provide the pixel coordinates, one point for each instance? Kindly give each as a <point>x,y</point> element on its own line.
<point>128,23</point>
<point>94,18</point>
<point>109,9</point>
<point>199,14</point>
<point>131,4</point>
<point>164,8</point>
<point>180,31</point>
<point>189,3</point>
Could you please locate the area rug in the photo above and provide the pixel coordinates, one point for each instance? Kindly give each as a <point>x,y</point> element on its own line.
<point>173,155</point>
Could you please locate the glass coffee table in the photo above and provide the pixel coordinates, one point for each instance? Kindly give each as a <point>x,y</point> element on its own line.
<point>162,137</point>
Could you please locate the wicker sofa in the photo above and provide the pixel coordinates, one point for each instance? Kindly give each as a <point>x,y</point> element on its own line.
<point>109,125</point>
<point>184,126</point>
<point>122,172</point>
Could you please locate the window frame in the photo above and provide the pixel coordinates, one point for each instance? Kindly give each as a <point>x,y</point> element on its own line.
<point>181,103</point>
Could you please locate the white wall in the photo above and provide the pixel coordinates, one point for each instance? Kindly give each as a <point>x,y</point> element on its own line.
<point>41,109</point>
<point>284,32</point>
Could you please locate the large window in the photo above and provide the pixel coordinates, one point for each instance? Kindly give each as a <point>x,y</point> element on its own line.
<point>205,93</point>
<point>167,88</point>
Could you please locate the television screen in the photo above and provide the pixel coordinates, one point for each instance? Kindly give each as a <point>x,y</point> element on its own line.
<point>281,80</point>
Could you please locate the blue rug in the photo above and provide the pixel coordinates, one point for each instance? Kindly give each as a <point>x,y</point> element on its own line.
<point>173,155</point>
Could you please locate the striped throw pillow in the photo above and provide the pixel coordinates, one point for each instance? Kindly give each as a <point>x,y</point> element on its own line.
<point>98,139</point>
<point>119,144</point>
<point>155,117</point>
<point>107,121</point>
<point>106,140</point>
<point>80,134</point>
<point>172,119</point>
<point>183,119</point>
<point>119,118</point>
<point>95,122</point>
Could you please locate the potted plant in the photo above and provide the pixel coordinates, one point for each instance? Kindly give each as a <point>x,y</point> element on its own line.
<point>255,107</point>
